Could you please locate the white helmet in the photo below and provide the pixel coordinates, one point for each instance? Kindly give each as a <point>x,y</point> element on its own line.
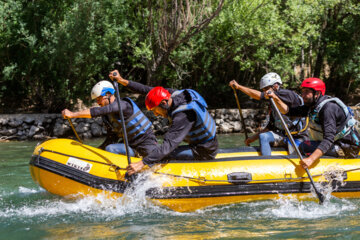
<point>101,88</point>
<point>270,79</point>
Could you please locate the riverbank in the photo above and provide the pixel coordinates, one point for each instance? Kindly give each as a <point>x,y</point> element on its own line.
<point>21,127</point>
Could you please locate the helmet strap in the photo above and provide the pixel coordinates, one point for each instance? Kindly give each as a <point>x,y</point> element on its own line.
<point>315,96</point>
<point>164,106</point>
<point>273,87</point>
<point>108,97</point>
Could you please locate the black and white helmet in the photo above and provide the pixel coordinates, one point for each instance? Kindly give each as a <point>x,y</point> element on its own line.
<point>270,79</point>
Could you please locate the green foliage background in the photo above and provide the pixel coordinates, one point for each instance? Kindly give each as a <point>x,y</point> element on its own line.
<point>52,52</point>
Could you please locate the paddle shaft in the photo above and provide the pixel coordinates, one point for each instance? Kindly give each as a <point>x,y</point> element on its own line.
<point>319,195</point>
<point>72,127</point>
<point>117,94</point>
<point>240,112</point>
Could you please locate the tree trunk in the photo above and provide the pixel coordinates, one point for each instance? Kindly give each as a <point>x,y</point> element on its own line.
<point>302,66</point>
<point>321,48</point>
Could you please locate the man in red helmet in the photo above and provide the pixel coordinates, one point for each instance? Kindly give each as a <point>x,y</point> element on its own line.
<point>190,122</point>
<point>331,127</point>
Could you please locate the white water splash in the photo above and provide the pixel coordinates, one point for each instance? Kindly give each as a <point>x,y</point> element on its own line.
<point>288,207</point>
<point>133,201</point>
<point>333,176</point>
<point>25,190</point>
<point>22,191</point>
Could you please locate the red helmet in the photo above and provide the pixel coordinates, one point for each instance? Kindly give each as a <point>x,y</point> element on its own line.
<point>314,83</point>
<point>155,96</point>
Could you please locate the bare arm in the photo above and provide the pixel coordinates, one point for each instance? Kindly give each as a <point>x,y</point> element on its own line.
<point>118,78</point>
<point>251,139</point>
<point>307,162</point>
<point>81,114</point>
<point>133,86</point>
<point>255,94</point>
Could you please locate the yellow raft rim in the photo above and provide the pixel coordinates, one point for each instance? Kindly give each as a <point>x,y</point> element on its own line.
<point>68,168</point>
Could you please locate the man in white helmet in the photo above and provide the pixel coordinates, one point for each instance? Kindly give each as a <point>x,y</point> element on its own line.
<point>274,134</point>
<point>138,126</point>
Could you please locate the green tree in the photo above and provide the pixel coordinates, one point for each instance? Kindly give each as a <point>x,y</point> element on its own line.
<point>51,53</point>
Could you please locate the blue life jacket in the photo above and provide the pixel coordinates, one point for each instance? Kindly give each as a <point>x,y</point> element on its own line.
<point>137,124</point>
<point>204,128</point>
<point>315,127</point>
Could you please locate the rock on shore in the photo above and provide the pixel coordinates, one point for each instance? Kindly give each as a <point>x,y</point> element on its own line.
<point>42,126</point>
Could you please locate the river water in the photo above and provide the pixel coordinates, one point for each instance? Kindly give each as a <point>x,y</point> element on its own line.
<point>29,212</point>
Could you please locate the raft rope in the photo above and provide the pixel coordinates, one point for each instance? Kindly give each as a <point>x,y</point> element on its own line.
<point>204,180</point>
<point>198,179</point>
<point>86,159</point>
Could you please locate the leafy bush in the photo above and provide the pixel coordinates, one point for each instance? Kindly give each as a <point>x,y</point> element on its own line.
<point>53,52</point>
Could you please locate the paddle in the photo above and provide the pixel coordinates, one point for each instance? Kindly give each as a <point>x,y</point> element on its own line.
<point>241,115</point>
<point>72,126</point>
<point>319,195</point>
<point>117,94</point>
<point>122,120</point>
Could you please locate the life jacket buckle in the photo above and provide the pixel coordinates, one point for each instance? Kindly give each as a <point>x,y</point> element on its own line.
<point>339,151</point>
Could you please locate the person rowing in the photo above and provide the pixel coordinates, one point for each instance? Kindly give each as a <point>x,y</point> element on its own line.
<point>190,122</point>
<point>141,137</point>
<point>273,134</point>
<point>332,125</point>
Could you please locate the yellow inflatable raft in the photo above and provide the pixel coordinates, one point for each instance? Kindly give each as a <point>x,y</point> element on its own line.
<point>68,168</point>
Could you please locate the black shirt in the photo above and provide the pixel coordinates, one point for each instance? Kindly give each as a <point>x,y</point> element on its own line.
<point>113,108</point>
<point>291,99</point>
<point>127,109</point>
<point>331,117</point>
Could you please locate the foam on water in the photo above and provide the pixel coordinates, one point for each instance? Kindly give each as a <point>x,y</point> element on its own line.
<point>133,201</point>
<point>292,208</point>
<point>286,207</point>
<point>283,208</point>
<point>21,191</point>
<point>25,190</point>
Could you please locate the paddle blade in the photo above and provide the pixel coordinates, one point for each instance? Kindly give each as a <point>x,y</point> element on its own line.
<point>320,196</point>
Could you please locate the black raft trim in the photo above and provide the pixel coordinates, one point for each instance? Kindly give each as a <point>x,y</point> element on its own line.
<point>78,175</point>
<point>183,192</point>
<point>242,190</point>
